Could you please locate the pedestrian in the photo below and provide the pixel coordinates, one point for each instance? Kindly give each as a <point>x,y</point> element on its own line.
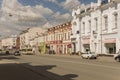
<point>39,50</point>
<point>33,50</point>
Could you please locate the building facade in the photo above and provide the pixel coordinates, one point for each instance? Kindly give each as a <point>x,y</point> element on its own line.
<point>18,43</point>
<point>28,37</point>
<point>58,38</point>
<point>24,39</point>
<point>97,28</point>
<point>9,42</point>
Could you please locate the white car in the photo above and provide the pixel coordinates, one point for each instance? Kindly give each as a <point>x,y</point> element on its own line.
<point>89,55</point>
<point>17,53</point>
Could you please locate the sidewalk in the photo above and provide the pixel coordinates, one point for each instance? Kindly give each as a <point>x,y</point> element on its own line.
<point>6,61</point>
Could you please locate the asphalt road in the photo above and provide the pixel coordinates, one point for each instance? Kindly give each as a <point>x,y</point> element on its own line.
<point>57,67</point>
<point>74,68</point>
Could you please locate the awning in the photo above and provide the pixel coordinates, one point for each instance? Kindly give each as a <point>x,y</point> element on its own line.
<point>113,40</point>
<point>86,41</point>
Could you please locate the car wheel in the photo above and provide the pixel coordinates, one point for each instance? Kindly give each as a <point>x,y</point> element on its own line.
<point>88,57</point>
<point>117,59</point>
<point>82,57</point>
<point>95,57</point>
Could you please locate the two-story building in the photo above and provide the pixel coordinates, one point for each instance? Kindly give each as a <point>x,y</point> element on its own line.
<point>28,37</point>
<point>58,38</point>
<point>9,42</point>
<point>97,28</point>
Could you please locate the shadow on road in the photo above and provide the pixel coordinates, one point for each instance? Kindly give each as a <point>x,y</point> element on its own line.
<point>8,57</point>
<point>44,71</point>
<point>28,72</point>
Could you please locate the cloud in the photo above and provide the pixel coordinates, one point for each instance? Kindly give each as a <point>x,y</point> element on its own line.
<point>53,1</point>
<point>61,18</point>
<point>70,4</point>
<point>14,17</point>
<point>24,12</point>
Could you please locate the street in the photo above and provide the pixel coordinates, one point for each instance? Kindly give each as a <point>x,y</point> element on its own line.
<point>58,67</point>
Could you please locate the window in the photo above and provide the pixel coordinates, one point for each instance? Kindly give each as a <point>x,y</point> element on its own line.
<point>59,37</point>
<point>115,19</point>
<point>83,27</point>
<point>64,36</point>
<point>106,22</point>
<point>68,35</point>
<point>96,24</point>
<point>89,26</point>
<point>51,38</point>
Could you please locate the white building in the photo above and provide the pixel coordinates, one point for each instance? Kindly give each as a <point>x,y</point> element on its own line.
<point>97,27</point>
<point>28,37</point>
<point>35,35</point>
<point>24,39</point>
<point>9,42</point>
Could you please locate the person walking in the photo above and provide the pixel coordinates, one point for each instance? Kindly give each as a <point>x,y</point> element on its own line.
<point>39,50</point>
<point>33,50</point>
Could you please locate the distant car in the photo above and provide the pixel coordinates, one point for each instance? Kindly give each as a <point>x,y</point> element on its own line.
<point>7,52</point>
<point>17,53</point>
<point>89,55</point>
<point>117,57</point>
<point>51,52</point>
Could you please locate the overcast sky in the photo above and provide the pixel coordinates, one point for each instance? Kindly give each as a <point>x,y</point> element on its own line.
<point>17,15</point>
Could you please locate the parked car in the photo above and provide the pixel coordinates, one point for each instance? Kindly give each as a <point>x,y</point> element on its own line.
<point>7,52</point>
<point>51,52</point>
<point>17,53</point>
<point>89,55</point>
<point>117,57</point>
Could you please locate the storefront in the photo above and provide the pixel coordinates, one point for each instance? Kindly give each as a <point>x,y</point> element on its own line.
<point>110,46</point>
<point>86,45</point>
<point>73,45</point>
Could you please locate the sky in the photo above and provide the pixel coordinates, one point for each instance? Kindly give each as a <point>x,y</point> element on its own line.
<point>17,15</point>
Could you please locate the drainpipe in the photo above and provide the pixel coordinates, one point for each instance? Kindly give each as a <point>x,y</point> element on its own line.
<point>80,37</point>
<point>101,29</point>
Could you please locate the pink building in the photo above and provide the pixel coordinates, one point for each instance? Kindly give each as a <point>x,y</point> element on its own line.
<point>58,38</point>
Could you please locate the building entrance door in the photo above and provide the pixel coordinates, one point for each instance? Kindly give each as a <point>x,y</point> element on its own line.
<point>111,48</point>
<point>74,48</point>
<point>86,47</point>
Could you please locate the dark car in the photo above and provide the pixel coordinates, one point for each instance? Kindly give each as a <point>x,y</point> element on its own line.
<point>51,52</point>
<point>7,52</point>
<point>17,53</point>
<point>117,57</point>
